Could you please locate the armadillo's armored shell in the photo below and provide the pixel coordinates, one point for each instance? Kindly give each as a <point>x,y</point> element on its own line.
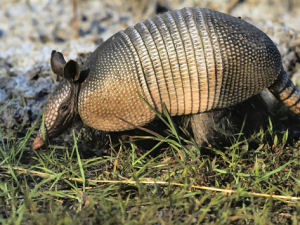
<point>192,60</point>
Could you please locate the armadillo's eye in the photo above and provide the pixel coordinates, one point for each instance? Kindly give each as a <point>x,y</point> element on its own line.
<point>64,107</point>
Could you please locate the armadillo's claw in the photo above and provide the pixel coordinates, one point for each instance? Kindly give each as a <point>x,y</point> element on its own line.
<point>37,143</point>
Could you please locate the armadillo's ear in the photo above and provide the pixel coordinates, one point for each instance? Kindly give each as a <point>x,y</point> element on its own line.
<point>57,63</point>
<point>72,71</point>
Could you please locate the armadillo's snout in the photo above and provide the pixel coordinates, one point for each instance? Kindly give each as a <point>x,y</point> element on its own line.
<point>37,143</point>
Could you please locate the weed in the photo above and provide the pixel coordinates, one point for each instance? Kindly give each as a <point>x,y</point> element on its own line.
<point>255,180</point>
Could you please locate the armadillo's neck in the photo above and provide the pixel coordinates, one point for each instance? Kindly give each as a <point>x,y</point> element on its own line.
<point>76,94</point>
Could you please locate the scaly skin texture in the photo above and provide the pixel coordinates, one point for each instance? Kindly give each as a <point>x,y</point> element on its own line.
<point>284,90</point>
<point>192,60</point>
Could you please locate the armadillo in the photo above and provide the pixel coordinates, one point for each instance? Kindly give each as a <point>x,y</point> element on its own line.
<point>188,61</point>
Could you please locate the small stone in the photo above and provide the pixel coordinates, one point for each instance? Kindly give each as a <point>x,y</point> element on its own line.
<point>1,33</point>
<point>3,96</point>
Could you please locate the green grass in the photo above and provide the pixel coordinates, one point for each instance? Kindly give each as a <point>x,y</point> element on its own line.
<point>167,183</point>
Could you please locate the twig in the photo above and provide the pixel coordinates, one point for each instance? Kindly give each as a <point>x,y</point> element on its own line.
<point>153,182</point>
<point>231,5</point>
<point>75,18</point>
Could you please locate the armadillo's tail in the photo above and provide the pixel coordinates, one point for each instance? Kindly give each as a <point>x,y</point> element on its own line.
<point>285,91</point>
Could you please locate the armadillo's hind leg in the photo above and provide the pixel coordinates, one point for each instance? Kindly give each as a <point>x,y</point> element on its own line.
<point>285,91</point>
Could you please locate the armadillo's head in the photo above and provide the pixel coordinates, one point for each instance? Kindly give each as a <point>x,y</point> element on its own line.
<point>62,106</point>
